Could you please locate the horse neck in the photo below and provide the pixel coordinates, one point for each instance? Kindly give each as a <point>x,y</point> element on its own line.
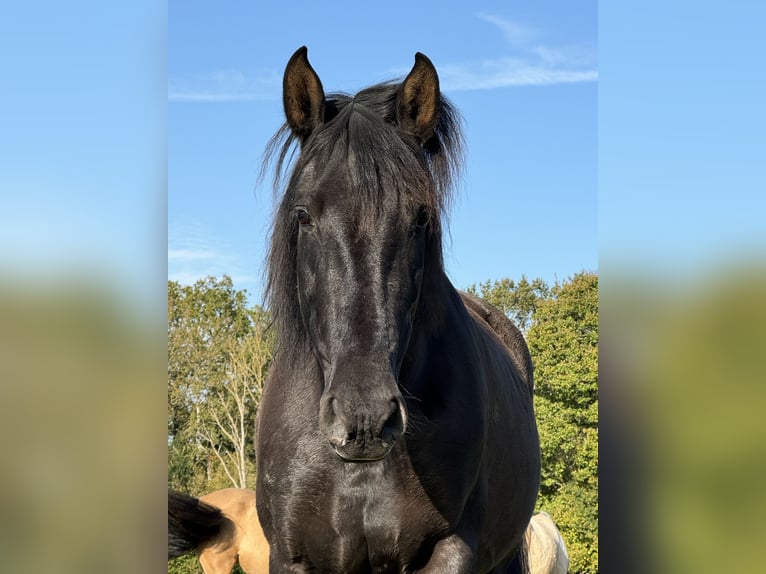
<point>439,312</point>
<point>440,302</point>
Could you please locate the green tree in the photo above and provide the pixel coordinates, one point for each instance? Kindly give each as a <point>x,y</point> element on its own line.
<point>218,354</point>
<point>563,342</point>
<point>518,300</point>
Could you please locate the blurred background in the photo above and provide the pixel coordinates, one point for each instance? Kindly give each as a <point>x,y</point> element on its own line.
<point>682,290</point>
<point>682,306</point>
<point>82,287</point>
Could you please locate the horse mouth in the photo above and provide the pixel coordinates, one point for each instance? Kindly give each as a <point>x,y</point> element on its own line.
<point>351,453</point>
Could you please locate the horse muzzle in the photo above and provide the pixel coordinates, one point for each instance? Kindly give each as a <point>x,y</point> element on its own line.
<point>357,434</point>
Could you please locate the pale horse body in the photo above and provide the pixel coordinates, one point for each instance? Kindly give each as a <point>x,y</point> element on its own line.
<point>547,551</point>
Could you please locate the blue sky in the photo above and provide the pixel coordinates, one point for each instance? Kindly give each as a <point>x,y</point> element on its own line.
<point>523,76</point>
<point>94,122</point>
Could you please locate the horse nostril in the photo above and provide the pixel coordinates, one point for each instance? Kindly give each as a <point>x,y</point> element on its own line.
<point>393,427</point>
<point>332,421</point>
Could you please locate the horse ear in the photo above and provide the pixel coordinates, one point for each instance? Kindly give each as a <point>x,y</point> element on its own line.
<point>419,101</point>
<point>302,95</point>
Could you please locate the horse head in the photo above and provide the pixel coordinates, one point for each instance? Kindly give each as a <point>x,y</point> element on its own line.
<point>362,210</point>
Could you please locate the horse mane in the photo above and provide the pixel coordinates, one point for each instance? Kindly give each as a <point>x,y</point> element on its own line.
<point>361,132</point>
<point>507,332</point>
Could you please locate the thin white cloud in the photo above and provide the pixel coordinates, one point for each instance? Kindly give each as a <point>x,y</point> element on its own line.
<point>225,86</point>
<point>532,63</point>
<point>569,56</point>
<point>509,72</point>
<point>196,251</point>
<point>191,254</point>
<point>203,96</point>
<point>514,33</point>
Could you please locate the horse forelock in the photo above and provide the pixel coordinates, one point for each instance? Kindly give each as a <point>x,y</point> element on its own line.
<point>359,135</point>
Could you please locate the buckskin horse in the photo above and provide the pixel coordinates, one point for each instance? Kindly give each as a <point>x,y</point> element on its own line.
<point>222,528</point>
<point>396,430</point>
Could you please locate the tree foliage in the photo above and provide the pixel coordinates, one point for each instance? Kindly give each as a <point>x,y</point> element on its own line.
<point>218,352</point>
<point>518,300</point>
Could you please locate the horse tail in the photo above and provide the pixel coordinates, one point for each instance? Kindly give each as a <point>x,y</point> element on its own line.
<point>524,565</point>
<point>191,522</point>
<point>520,562</point>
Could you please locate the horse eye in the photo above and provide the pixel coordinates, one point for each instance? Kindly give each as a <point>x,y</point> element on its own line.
<point>424,217</point>
<point>303,217</point>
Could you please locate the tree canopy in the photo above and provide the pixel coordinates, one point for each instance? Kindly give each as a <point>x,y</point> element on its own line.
<point>218,353</point>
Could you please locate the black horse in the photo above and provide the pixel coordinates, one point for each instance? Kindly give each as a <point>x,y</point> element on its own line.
<point>396,431</point>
